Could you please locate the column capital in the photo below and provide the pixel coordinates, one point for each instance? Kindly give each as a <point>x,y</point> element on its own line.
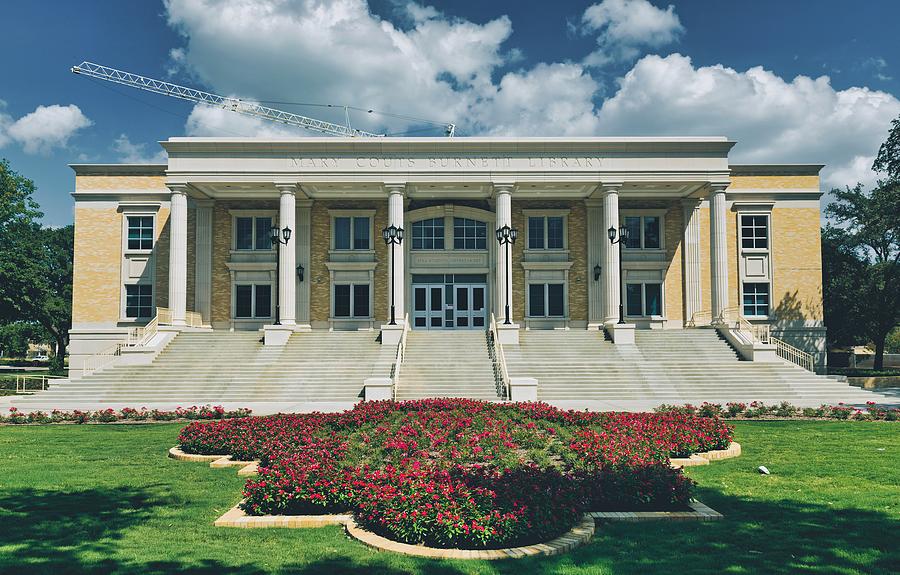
<point>287,187</point>
<point>395,187</point>
<point>610,186</point>
<point>717,187</point>
<point>503,187</point>
<point>177,188</point>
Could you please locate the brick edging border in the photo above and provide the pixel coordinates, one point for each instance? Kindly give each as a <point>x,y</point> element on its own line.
<point>704,457</point>
<point>216,461</point>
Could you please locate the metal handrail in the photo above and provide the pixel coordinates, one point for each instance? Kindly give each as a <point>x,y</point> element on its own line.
<point>794,355</point>
<point>731,317</point>
<point>142,335</point>
<point>498,359</point>
<point>102,358</point>
<point>398,359</point>
<point>23,378</point>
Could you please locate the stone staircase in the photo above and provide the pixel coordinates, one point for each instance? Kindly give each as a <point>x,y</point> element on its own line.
<point>664,366</point>
<point>446,364</point>
<point>234,368</point>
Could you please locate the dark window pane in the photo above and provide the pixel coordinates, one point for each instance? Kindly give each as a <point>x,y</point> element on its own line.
<point>633,300</point>
<point>555,233</point>
<point>342,300</point>
<point>555,300</point>
<point>756,299</point>
<point>478,299</point>
<point>140,232</point>
<point>462,321</point>
<point>420,299</point>
<point>536,300</point>
<point>420,322</point>
<point>651,232</point>
<point>264,234</point>
<point>361,300</point>
<point>536,233</point>
<point>360,233</point>
<point>633,224</point>
<point>437,298</point>
<point>342,233</point>
<point>462,299</point>
<point>428,234</point>
<point>653,299</point>
<point>478,321</point>
<point>263,306</point>
<point>138,301</point>
<point>243,301</point>
<point>243,233</point>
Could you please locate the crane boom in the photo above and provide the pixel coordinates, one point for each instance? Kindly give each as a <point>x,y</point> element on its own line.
<point>232,104</point>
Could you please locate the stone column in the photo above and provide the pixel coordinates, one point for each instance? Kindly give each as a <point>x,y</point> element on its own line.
<point>504,271</point>
<point>718,251</point>
<point>396,279</point>
<point>203,259</point>
<point>692,289</point>
<point>178,253</point>
<point>287,255</point>
<point>612,283</point>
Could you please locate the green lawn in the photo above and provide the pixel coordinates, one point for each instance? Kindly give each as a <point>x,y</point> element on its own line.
<point>97,499</point>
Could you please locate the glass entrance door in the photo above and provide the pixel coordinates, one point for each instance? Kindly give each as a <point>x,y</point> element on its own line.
<point>428,306</point>
<point>469,310</point>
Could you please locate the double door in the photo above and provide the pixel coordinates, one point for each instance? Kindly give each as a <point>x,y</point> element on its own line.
<point>449,306</point>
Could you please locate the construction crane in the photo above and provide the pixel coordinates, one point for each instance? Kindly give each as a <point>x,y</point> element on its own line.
<point>231,104</point>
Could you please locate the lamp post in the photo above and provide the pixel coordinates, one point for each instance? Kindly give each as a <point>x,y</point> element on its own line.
<point>623,237</point>
<point>506,236</point>
<point>279,237</point>
<point>392,236</point>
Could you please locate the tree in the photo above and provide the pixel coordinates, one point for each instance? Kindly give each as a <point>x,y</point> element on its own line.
<point>862,248</point>
<point>35,263</point>
<point>887,162</point>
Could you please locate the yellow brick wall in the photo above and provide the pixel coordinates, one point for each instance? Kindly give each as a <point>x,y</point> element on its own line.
<point>773,182</point>
<point>577,238</point>
<point>318,274</point>
<point>116,183</point>
<point>797,264</point>
<point>97,265</point>
<point>161,255</point>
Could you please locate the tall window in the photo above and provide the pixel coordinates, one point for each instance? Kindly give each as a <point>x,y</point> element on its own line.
<point>755,231</point>
<point>138,301</point>
<point>140,232</point>
<point>253,233</point>
<point>352,233</point>
<point>643,299</point>
<point>469,234</point>
<point>546,232</point>
<point>756,299</point>
<point>428,234</point>
<point>546,300</point>
<point>252,300</point>
<point>643,232</point>
<point>351,300</point>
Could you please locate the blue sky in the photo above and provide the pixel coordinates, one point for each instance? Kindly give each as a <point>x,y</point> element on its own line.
<point>790,81</point>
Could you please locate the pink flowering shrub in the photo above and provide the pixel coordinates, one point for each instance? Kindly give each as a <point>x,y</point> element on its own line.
<point>125,414</point>
<point>461,473</point>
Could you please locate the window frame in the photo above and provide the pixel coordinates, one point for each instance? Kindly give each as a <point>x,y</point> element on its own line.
<point>768,238</point>
<point>546,300</point>
<point>768,295</point>
<point>643,284</point>
<point>545,215</point>
<point>334,214</point>
<point>254,214</point>
<point>661,214</point>
<point>464,237</point>
<point>253,316</point>
<point>353,285</point>
<point>151,307</point>
<point>130,250</point>
<point>434,238</point>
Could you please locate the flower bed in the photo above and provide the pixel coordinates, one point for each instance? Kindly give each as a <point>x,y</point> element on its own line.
<point>462,473</point>
<point>14,416</point>
<point>785,410</point>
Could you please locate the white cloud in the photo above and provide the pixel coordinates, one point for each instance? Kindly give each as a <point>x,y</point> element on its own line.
<point>441,68</point>
<point>627,26</point>
<point>773,121</point>
<point>44,129</point>
<point>131,153</point>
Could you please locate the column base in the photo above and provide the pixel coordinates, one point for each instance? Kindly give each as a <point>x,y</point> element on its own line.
<point>391,334</point>
<point>621,333</point>
<point>508,333</point>
<point>277,334</point>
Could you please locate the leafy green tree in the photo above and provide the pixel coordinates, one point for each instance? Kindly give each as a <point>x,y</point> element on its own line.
<point>14,339</point>
<point>862,248</point>
<point>887,162</point>
<point>35,263</point>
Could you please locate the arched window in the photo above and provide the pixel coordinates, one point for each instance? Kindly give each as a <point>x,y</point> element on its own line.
<point>428,234</point>
<point>469,234</point>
